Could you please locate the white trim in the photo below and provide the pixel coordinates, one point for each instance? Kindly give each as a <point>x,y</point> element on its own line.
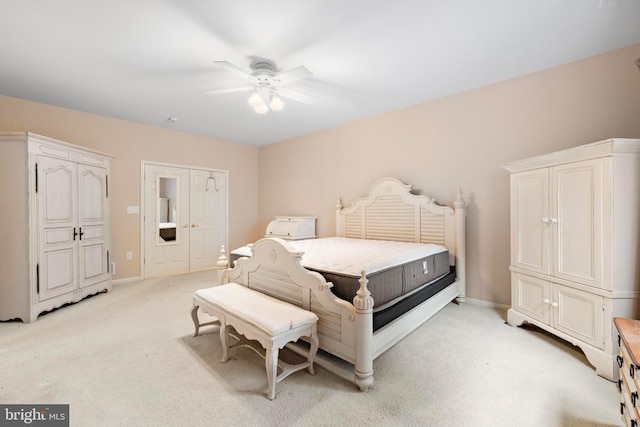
<point>487,304</point>
<point>126,280</point>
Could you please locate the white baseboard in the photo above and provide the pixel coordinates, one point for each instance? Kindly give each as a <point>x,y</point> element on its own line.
<point>487,304</point>
<point>126,280</point>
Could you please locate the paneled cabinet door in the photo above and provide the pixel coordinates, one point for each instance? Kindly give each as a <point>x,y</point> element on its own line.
<point>577,227</point>
<point>72,213</point>
<point>530,219</point>
<point>92,225</point>
<point>57,217</point>
<point>531,296</point>
<point>579,314</point>
<point>556,220</point>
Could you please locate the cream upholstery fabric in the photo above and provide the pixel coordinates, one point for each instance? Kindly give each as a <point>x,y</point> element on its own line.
<point>269,314</point>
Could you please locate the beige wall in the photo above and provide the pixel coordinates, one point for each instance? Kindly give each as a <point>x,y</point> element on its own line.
<point>458,141</point>
<point>131,143</point>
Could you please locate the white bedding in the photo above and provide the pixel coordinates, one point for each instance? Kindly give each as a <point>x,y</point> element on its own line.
<point>351,257</point>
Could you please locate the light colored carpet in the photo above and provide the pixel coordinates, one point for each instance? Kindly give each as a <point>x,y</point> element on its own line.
<point>128,358</point>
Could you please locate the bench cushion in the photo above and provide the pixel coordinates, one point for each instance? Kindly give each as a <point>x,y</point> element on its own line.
<point>269,314</point>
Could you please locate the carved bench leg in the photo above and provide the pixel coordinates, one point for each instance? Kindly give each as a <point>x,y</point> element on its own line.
<point>315,343</point>
<point>196,322</point>
<point>224,337</point>
<point>271,362</point>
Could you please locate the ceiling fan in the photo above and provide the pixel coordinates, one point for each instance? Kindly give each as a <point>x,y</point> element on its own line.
<point>268,85</point>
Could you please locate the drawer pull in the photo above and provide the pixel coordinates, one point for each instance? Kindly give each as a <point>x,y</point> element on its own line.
<point>618,340</point>
<point>619,359</point>
<point>621,408</point>
<point>620,385</point>
<point>634,423</point>
<point>634,398</point>
<point>632,370</point>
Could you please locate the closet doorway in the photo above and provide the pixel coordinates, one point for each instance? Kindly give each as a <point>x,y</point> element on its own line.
<point>184,218</point>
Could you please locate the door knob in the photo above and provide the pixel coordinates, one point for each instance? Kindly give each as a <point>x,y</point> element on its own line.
<point>194,225</point>
<point>185,226</point>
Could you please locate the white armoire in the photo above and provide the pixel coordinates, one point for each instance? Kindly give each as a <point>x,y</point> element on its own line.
<point>575,238</point>
<point>54,224</point>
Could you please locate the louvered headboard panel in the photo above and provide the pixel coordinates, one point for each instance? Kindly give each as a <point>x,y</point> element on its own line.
<point>390,218</point>
<point>392,212</point>
<point>432,227</point>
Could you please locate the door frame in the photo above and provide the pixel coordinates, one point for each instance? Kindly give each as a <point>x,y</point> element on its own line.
<point>143,207</point>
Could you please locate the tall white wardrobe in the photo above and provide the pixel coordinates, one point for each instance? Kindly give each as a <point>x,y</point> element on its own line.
<point>54,201</point>
<point>575,238</point>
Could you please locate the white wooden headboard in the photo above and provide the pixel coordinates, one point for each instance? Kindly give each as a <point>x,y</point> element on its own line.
<point>390,211</point>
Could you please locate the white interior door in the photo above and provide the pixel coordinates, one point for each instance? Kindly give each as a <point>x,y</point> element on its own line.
<point>208,195</point>
<point>166,220</point>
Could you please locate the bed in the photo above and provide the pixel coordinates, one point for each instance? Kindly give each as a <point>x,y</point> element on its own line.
<point>362,310</point>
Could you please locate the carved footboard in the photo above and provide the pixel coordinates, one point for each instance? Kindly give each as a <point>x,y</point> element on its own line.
<point>344,329</point>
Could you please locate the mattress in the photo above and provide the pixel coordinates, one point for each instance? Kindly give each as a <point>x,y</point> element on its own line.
<point>394,270</point>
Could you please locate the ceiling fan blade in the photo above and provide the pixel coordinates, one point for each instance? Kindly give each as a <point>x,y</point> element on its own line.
<point>297,96</point>
<point>230,67</point>
<point>234,89</point>
<point>293,75</point>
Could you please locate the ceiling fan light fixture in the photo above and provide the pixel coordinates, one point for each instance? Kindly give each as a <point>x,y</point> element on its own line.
<point>276,103</point>
<point>255,100</point>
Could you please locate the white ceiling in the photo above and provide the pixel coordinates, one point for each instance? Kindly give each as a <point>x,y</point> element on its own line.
<point>149,60</point>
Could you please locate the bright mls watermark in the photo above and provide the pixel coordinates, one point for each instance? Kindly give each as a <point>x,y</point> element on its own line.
<point>34,415</point>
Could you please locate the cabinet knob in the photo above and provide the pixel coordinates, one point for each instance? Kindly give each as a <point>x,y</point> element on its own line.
<point>194,225</point>
<point>545,220</point>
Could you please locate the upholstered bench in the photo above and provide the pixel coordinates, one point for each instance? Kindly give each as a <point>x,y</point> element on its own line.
<point>256,316</point>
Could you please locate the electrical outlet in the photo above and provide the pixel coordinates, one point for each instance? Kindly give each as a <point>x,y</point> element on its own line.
<point>129,256</point>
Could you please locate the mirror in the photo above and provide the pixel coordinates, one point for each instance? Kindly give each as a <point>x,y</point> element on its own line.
<point>167,214</point>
